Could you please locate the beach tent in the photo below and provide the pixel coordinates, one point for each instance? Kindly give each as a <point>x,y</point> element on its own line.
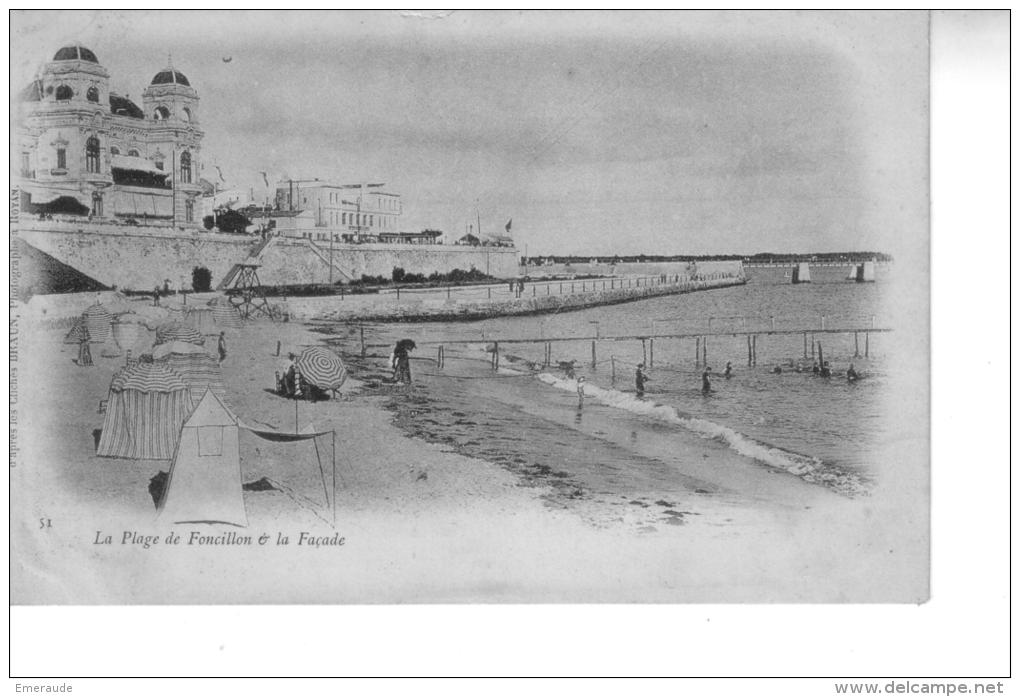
<point>76,332</point>
<point>200,372</point>
<point>99,320</point>
<point>224,314</point>
<point>321,367</point>
<point>204,485</point>
<point>175,331</point>
<point>148,403</point>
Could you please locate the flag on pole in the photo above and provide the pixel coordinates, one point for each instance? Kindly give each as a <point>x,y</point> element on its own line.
<point>220,172</point>
<point>265,179</point>
<point>508,224</point>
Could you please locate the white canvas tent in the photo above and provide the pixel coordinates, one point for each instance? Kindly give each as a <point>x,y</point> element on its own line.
<point>204,485</point>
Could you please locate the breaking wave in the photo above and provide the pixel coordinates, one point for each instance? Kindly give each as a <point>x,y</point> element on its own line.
<point>810,469</point>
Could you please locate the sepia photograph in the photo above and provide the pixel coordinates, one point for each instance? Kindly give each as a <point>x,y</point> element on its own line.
<point>469,307</point>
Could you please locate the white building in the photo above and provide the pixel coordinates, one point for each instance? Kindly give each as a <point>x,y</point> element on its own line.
<point>348,212</point>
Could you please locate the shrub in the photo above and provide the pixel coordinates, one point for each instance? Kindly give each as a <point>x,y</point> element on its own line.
<point>207,222</point>
<point>201,279</point>
<point>398,274</point>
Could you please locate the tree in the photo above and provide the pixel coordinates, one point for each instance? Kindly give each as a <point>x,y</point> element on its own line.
<point>207,222</point>
<point>201,279</point>
<point>398,274</point>
<point>232,221</point>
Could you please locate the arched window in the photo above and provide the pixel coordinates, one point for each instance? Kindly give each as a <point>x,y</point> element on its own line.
<point>92,95</point>
<point>97,205</point>
<point>132,153</point>
<point>92,155</point>
<point>185,167</point>
<point>161,113</point>
<point>114,150</point>
<point>186,113</point>
<point>64,93</point>
<point>343,218</point>
<point>189,211</point>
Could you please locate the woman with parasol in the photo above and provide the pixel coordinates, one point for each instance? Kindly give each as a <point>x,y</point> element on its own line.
<point>402,360</point>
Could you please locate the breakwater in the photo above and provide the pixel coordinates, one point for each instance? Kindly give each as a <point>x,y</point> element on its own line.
<point>451,309</point>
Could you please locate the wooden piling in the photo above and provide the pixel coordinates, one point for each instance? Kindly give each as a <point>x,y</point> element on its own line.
<point>754,350</point>
<point>697,351</point>
<point>489,292</point>
<point>857,350</point>
<point>866,347</point>
<point>277,347</point>
<point>748,350</point>
<point>495,355</point>
<point>644,352</point>
<point>704,351</point>
<point>805,345</point>
<point>651,353</point>
<point>812,347</point>
<point>594,362</point>
<point>362,329</point>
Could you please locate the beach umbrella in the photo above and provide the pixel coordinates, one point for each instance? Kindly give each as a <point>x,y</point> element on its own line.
<point>175,331</point>
<point>177,347</point>
<point>98,320</point>
<point>200,372</point>
<point>77,331</point>
<point>321,367</point>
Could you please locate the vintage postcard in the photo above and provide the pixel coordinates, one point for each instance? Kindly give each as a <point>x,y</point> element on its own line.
<point>470,307</point>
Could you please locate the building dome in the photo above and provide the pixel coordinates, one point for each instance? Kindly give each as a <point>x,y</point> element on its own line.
<point>76,53</point>
<point>170,76</point>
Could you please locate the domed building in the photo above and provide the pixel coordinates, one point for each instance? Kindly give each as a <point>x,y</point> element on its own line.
<point>90,155</point>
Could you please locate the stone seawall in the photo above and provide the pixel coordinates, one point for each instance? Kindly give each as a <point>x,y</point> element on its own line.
<point>139,258</point>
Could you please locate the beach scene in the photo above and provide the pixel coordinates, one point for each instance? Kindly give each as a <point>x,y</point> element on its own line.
<point>574,350</point>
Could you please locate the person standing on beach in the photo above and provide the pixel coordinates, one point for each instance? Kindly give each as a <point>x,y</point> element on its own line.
<point>728,373</point>
<point>84,352</point>
<point>221,346</point>
<point>403,359</point>
<point>580,392</point>
<point>706,383</point>
<point>640,378</point>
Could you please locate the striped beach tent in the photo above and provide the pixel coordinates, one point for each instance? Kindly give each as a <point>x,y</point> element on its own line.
<point>175,331</point>
<point>148,404</point>
<point>224,314</point>
<point>200,372</point>
<point>99,320</point>
<point>76,332</point>
<point>321,367</point>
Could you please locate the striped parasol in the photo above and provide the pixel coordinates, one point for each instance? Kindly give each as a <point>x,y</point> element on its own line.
<point>77,331</point>
<point>200,371</point>
<point>175,331</point>
<point>321,367</point>
<point>98,319</point>
<point>148,377</point>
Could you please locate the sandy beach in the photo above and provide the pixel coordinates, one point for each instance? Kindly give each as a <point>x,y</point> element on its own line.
<point>419,521</point>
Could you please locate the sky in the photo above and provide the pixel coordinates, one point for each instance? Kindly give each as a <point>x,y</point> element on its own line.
<point>596,133</point>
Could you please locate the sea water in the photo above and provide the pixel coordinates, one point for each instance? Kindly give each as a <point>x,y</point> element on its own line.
<point>813,432</point>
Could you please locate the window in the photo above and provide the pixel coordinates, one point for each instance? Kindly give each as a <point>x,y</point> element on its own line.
<point>343,218</point>
<point>97,205</point>
<point>92,155</point>
<point>61,158</point>
<point>186,167</point>
<point>189,211</point>
<point>371,221</point>
<point>64,93</point>
<point>114,150</point>
<point>186,113</point>
<point>132,152</point>
<point>161,113</point>
<point>92,95</point>
<point>26,169</point>
<point>210,441</point>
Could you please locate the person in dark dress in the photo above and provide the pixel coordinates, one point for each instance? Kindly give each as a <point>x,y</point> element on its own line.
<point>706,383</point>
<point>221,346</point>
<point>851,374</point>
<point>728,373</point>
<point>640,378</point>
<point>84,352</point>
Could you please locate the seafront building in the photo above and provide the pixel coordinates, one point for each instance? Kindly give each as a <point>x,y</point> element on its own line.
<point>84,150</point>
<point>114,191</point>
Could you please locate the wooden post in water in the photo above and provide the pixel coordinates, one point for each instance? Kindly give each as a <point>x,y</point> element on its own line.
<point>593,361</point>
<point>362,341</point>
<point>644,353</point>
<point>495,355</point>
<point>277,347</point>
<point>866,342</point>
<point>754,349</point>
<point>612,368</point>
<point>857,350</point>
<point>651,352</point>
<point>805,345</point>
<point>748,350</point>
<point>447,292</point>
<point>697,351</point>
<point>489,292</point>
<point>812,347</point>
